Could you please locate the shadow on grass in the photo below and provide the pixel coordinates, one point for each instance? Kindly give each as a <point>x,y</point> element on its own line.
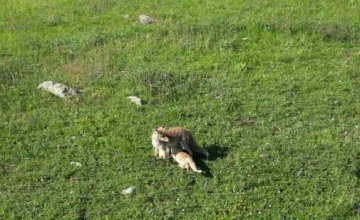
<point>204,167</point>
<point>216,152</point>
<point>356,206</point>
<point>357,174</point>
<point>357,170</point>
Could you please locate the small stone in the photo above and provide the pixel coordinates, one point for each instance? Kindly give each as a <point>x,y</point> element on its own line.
<point>128,191</point>
<point>77,164</point>
<point>58,89</point>
<point>135,99</point>
<point>144,19</point>
<point>358,210</point>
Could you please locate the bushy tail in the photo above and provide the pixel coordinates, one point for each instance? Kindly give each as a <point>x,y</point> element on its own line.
<point>195,147</point>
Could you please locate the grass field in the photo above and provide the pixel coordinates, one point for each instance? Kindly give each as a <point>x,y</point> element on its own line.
<point>270,88</point>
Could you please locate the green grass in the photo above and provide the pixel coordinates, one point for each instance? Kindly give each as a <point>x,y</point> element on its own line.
<point>270,88</point>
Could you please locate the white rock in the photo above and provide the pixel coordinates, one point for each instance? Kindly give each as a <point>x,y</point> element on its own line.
<point>144,19</point>
<point>77,164</point>
<point>128,191</point>
<point>58,89</point>
<point>134,99</point>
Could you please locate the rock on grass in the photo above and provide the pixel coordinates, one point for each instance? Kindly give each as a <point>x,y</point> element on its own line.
<point>128,191</point>
<point>76,164</point>
<point>135,100</point>
<point>58,89</point>
<point>144,19</point>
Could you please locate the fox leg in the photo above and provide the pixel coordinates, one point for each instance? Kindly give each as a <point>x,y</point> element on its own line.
<point>156,152</point>
<point>163,154</point>
<point>184,166</point>
<point>167,153</point>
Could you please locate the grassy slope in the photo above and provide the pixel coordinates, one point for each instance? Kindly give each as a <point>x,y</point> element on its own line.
<point>270,88</point>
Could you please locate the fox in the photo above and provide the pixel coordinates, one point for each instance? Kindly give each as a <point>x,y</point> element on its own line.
<point>160,150</point>
<point>167,139</point>
<point>184,160</point>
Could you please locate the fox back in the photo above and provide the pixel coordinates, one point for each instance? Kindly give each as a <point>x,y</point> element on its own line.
<point>180,134</point>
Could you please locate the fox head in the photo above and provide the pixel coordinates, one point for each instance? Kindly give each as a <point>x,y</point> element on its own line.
<point>161,136</point>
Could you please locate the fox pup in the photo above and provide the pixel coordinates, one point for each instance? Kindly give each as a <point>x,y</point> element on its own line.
<point>167,139</point>
<point>184,160</point>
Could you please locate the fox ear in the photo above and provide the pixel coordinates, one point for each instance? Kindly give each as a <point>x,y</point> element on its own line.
<point>156,130</point>
<point>160,129</point>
